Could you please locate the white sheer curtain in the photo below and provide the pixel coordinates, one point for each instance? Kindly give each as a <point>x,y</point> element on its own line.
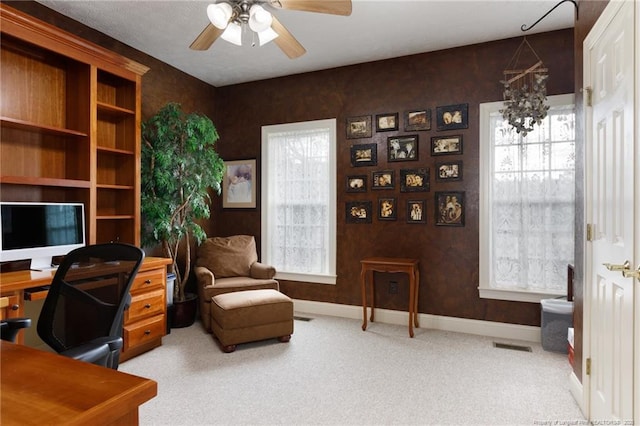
<point>532,203</point>
<point>300,199</point>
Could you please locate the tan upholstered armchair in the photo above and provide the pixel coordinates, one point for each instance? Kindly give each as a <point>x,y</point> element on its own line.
<point>226,264</point>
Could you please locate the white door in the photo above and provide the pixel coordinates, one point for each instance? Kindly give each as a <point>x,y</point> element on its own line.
<point>610,177</point>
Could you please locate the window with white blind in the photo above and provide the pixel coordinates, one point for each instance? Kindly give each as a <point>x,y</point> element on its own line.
<point>299,200</point>
<point>527,187</point>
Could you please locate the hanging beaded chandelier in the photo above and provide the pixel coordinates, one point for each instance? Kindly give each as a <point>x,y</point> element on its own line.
<point>525,91</point>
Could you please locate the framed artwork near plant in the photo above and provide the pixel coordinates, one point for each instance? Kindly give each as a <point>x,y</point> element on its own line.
<point>449,171</point>
<point>449,208</point>
<point>417,119</point>
<point>364,155</point>
<point>402,148</point>
<point>387,122</point>
<point>415,211</point>
<point>446,145</point>
<point>414,180</point>
<point>387,209</point>
<point>358,211</point>
<point>452,117</point>
<point>359,127</point>
<point>239,184</point>
<point>357,183</point>
<point>383,179</point>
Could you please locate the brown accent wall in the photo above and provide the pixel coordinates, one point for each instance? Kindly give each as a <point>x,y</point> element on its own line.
<point>589,13</point>
<point>449,256</point>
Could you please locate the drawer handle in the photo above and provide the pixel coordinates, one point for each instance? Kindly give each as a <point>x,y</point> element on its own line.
<point>147,306</point>
<point>147,282</point>
<point>147,332</point>
<point>15,307</point>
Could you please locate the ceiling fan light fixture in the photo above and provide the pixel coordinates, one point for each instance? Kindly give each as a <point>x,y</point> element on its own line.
<point>233,34</point>
<point>253,20</point>
<point>219,14</point>
<point>259,19</point>
<point>266,36</point>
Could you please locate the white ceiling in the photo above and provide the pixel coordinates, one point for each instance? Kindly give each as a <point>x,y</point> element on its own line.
<point>377,29</point>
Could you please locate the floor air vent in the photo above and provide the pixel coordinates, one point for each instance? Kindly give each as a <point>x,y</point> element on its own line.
<point>297,318</point>
<point>512,347</point>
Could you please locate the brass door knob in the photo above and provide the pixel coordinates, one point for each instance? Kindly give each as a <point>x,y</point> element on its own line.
<point>631,274</point>
<point>612,267</point>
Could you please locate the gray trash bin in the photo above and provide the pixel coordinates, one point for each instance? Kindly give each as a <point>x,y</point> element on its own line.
<point>171,279</point>
<point>557,317</point>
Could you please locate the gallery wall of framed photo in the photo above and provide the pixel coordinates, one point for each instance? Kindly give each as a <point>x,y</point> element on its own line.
<point>417,158</point>
<point>364,99</point>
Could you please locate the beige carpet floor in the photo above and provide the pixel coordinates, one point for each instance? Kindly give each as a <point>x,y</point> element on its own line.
<point>333,373</point>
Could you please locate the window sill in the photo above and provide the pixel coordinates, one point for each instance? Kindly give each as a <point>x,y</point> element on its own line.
<point>307,278</point>
<point>516,296</point>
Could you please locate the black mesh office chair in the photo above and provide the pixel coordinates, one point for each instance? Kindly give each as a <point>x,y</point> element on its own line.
<point>82,315</point>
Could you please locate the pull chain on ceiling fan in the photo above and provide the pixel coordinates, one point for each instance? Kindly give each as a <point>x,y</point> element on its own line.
<point>227,19</point>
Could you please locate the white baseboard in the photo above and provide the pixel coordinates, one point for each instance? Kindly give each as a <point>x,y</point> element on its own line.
<point>575,387</point>
<point>460,325</point>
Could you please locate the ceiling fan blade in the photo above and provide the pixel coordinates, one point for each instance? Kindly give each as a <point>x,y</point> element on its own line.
<point>286,41</point>
<point>206,37</point>
<point>333,7</point>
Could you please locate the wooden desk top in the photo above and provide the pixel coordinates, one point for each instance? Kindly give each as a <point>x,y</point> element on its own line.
<point>41,387</point>
<point>19,280</point>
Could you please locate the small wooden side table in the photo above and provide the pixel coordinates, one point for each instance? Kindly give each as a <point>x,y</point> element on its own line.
<point>395,265</point>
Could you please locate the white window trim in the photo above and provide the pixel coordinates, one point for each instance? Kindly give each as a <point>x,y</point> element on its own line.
<point>331,277</point>
<point>485,291</point>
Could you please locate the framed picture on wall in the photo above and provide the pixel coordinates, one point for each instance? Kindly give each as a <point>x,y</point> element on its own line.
<point>446,145</point>
<point>357,183</point>
<point>449,208</point>
<point>387,122</point>
<point>452,117</point>
<point>359,127</point>
<point>383,179</point>
<point>449,171</point>
<point>415,211</point>
<point>358,211</point>
<point>402,148</point>
<point>417,119</point>
<point>239,184</point>
<point>387,209</point>
<point>364,155</point>
<point>414,180</point>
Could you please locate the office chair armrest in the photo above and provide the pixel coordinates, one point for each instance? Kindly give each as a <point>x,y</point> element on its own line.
<point>97,351</point>
<point>10,327</point>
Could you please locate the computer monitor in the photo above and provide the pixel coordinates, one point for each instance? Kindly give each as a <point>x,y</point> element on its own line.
<point>40,231</point>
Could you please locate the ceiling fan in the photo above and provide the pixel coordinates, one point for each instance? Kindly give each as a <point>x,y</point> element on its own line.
<point>227,18</point>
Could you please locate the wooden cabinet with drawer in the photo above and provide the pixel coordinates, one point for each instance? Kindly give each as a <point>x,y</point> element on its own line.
<point>10,306</point>
<point>145,321</point>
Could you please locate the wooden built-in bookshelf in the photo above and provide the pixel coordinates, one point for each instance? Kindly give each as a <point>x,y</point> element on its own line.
<point>70,125</point>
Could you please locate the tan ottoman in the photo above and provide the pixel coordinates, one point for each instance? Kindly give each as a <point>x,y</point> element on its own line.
<point>251,315</point>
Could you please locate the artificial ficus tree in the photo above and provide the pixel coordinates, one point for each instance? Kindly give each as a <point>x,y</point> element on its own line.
<point>180,167</point>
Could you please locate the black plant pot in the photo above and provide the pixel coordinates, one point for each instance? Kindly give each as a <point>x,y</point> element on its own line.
<point>183,313</point>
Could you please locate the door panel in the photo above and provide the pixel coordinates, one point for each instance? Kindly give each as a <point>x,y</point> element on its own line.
<point>609,71</point>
